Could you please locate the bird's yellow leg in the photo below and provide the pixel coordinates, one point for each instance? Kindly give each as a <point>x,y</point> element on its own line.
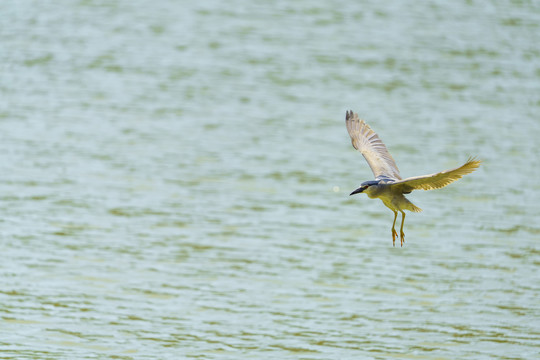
<point>401,233</point>
<point>394,232</point>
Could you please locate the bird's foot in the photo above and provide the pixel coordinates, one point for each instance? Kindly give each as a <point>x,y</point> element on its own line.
<point>402,235</point>
<point>394,236</point>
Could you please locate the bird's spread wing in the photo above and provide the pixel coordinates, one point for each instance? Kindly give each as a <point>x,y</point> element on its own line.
<point>368,143</point>
<point>437,180</point>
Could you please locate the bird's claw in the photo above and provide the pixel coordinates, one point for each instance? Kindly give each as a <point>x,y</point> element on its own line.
<point>402,238</point>
<point>394,236</point>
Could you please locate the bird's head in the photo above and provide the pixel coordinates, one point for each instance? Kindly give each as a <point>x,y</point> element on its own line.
<point>364,186</point>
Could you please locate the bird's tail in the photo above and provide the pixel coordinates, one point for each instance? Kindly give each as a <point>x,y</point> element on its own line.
<point>411,207</point>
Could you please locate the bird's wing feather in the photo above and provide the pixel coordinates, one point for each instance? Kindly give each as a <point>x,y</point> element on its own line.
<point>437,180</point>
<point>372,148</point>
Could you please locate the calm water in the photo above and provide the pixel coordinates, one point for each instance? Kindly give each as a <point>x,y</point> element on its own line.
<point>175,178</point>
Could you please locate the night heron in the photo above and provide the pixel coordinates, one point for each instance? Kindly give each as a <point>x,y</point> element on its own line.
<point>388,184</point>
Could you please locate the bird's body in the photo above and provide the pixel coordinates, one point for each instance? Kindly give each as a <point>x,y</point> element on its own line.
<point>392,197</point>
<point>388,184</point>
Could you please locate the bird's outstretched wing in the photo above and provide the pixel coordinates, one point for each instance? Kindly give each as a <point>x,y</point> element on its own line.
<point>372,148</point>
<point>437,180</point>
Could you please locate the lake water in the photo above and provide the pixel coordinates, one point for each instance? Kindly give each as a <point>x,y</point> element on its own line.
<point>175,178</point>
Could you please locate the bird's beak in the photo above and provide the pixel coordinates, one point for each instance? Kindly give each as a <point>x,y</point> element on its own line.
<point>357,191</point>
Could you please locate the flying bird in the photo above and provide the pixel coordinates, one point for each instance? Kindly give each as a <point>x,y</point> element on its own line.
<point>388,184</point>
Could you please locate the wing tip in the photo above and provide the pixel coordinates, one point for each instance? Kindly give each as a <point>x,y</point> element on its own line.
<point>473,162</point>
<point>350,115</point>
<point>354,122</point>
